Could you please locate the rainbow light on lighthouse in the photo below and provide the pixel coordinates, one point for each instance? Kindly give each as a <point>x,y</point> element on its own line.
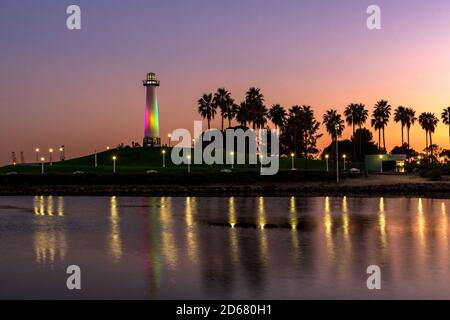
<point>151,121</point>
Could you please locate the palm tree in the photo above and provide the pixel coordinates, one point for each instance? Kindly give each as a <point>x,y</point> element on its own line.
<point>410,120</point>
<point>351,114</point>
<point>333,124</point>
<point>260,116</point>
<point>362,115</point>
<point>231,113</point>
<point>446,118</point>
<point>206,108</point>
<point>277,115</point>
<point>428,121</point>
<point>401,115</point>
<point>222,100</point>
<point>255,102</point>
<point>380,118</point>
<point>243,114</point>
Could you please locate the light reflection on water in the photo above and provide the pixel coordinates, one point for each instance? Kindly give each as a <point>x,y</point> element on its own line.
<point>208,248</point>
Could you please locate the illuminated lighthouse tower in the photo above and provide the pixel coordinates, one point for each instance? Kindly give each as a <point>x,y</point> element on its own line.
<point>151,122</point>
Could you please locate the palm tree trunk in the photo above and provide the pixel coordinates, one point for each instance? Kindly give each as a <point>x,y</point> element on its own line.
<point>403,139</point>
<point>209,123</point>
<point>379,139</point>
<point>354,144</point>
<point>407,151</point>
<point>360,143</point>
<point>431,144</point>
<point>229,122</point>
<point>222,123</point>
<point>384,141</point>
<point>426,143</point>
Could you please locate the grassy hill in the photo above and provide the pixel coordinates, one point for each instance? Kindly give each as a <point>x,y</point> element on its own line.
<point>139,161</point>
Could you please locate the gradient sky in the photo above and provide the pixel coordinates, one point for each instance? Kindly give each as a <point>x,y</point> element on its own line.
<point>83,88</point>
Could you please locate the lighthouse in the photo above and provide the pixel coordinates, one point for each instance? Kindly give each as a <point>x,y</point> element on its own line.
<point>151,121</point>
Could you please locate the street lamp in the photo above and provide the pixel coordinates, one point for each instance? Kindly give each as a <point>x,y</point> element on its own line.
<point>193,143</point>
<point>381,163</point>
<point>164,158</point>
<point>337,127</point>
<point>51,156</point>
<point>261,160</point>
<point>62,155</point>
<point>189,163</point>
<point>345,157</point>
<point>37,155</point>
<point>42,165</point>
<point>169,136</point>
<point>293,161</point>
<point>95,158</point>
<point>114,163</point>
<point>107,148</point>
<point>326,159</point>
<point>232,159</point>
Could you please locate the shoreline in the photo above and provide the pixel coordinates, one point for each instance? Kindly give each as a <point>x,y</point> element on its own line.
<point>425,189</point>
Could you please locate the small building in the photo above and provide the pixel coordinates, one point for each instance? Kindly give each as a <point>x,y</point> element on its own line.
<point>385,163</point>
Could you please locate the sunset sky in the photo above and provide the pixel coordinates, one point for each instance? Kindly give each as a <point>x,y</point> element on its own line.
<point>83,88</point>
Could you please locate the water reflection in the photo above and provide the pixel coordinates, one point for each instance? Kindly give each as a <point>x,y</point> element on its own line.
<point>49,239</point>
<point>239,248</point>
<point>115,240</point>
<point>167,233</point>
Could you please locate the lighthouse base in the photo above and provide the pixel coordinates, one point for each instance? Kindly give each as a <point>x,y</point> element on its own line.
<point>151,142</point>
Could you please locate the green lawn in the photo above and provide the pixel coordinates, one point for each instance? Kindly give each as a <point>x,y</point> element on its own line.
<point>140,160</point>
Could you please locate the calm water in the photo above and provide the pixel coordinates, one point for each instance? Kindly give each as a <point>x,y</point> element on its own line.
<point>230,248</point>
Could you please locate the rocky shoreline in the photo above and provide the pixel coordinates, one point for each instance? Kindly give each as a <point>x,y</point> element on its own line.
<point>432,190</point>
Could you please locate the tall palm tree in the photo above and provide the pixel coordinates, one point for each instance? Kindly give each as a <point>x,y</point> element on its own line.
<point>206,108</point>
<point>222,99</point>
<point>231,113</point>
<point>333,124</point>
<point>277,114</point>
<point>260,116</point>
<point>401,115</point>
<point>446,118</point>
<point>243,115</point>
<point>362,116</point>
<point>410,121</point>
<point>255,102</point>
<point>352,118</point>
<point>380,118</point>
<point>428,121</point>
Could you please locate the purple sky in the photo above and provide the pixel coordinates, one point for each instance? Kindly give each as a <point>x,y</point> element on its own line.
<point>83,88</point>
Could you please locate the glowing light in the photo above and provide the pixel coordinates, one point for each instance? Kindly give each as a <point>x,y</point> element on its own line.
<point>292,155</point>
<point>327,156</point>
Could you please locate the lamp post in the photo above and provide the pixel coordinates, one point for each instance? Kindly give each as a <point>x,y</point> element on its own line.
<point>164,158</point>
<point>169,137</point>
<point>345,158</point>
<point>37,155</point>
<point>326,160</point>
<point>293,161</point>
<point>381,163</point>
<point>261,160</point>
<point>232,159</point>
<point>189,164</point>
<point>95,158</point>
<point>337,127</point>
<point>42,165</point>
<point>51,156</point>
<point>193,143</point>
<point>62,155</point>
<point>114,164</point>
